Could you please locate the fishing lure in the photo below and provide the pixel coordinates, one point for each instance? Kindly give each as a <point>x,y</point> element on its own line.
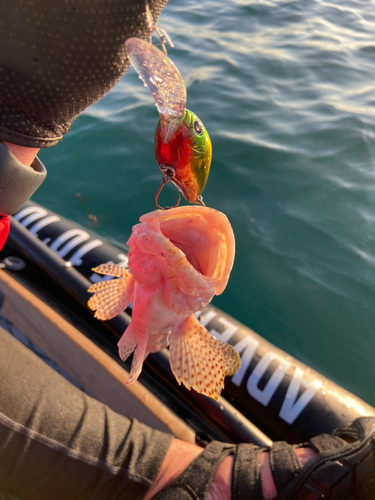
<point>162,34</point>
<point>183,148</point>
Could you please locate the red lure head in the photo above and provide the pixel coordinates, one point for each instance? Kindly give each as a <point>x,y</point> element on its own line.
<point>189,153</point>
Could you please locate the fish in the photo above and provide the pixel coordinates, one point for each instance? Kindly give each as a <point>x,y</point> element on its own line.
<point>182,146</point>
<point>178,260</point>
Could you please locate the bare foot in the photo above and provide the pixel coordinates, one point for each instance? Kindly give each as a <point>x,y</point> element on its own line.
<point>268,486</point>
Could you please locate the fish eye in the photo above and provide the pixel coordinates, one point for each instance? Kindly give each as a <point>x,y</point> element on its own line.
<point>198,127</point>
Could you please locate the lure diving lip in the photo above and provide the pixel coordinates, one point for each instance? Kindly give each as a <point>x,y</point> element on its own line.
<point>183,148</point>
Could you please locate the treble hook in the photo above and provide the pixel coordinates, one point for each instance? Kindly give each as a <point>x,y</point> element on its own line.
<point>168,174</point>
<point>162,34</point>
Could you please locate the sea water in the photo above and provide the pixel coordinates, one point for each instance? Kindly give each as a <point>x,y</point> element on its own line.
<point>286,90</point>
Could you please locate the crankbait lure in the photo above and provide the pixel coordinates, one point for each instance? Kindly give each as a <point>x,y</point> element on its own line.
<point>183,148</point>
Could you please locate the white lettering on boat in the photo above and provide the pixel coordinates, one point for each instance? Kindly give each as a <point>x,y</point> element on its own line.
<point>292,407</point>
<point>76,236</point>
<point>43,223</point>
<point>31,214</point>
<point>246,348</point>
<point>227,333</point>
<point>76,258</point>
<point>264,395</point>
<point>205,318</point>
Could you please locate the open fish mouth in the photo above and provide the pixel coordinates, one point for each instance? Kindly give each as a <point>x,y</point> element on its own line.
<point>204,237</point>
<point>195,239</point>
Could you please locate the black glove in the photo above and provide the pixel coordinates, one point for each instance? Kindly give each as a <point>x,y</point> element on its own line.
<point>59,56</point>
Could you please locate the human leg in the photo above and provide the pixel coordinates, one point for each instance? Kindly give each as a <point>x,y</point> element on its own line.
<point>337,466</point>
<point>56,442</point>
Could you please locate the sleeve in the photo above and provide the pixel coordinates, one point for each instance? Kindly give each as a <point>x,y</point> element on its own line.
<point>59,57</point>
<point>18,182</point>
<point>57,442</point>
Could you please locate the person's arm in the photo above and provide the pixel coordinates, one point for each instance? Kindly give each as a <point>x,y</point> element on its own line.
<point>58,58</point>
<point>18,181</point>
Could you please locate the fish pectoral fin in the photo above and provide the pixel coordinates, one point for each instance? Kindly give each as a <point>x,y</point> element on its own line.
<point>111,270</point>
<point>111,297</point>
<point>196,358</point>
<point>131,341</point>
<point>231,358</point>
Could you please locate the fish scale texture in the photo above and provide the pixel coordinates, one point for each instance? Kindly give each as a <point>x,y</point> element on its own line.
<point>59,57</point>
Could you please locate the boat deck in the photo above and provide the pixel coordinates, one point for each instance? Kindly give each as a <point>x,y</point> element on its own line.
<point>82,362</point>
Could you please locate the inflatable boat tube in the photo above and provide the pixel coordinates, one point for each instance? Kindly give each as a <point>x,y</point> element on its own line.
<point>273,395</point>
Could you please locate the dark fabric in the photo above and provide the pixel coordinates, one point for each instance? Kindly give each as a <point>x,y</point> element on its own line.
<point>356,429</point>
<point>17,181</point>
<point>194,482</point>
<point>284,464</point>
<point>56,443</point>
<point>246,482</point>
<point>326,442</point>
<point>58,57</point>
<point>4,230</point>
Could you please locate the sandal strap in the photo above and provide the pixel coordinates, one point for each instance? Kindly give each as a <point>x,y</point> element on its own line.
<point>195,481</point>
<point>284,464</point>
<point>326,442</point>
<point>246,482</point>
<point>350,432</point>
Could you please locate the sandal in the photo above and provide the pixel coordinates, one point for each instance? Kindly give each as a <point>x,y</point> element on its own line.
<point>343,469</point>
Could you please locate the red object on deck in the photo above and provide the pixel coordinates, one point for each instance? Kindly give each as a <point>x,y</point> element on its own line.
<point>4,230</point>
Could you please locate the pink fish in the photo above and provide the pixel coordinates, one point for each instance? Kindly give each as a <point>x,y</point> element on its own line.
<point>178,260</point>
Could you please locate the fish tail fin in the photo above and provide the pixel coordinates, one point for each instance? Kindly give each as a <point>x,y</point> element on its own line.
<point>131,341</point>
<point>196,358</point>
<point>231,358</point>
<point>113,296</point>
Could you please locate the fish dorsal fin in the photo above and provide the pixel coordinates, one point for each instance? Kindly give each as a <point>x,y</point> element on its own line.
<point>231,358</point>
<point>113,296</point>
<point>196,358</point>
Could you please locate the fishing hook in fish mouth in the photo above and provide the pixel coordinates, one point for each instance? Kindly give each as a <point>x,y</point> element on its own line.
<point>168,174</point>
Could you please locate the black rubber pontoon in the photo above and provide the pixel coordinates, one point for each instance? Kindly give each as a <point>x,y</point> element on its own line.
<point>272,395</point>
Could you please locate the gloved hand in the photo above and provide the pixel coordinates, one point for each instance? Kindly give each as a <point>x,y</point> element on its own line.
<point>4,229</point>
<point>59,56</point>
